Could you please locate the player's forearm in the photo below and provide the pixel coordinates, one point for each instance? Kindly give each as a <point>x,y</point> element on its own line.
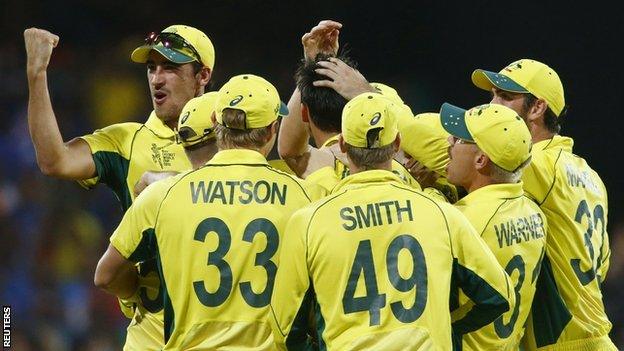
<point>72,160</point>
<point>293,135</point>
<point>44,130</point>
<point>123,282</point>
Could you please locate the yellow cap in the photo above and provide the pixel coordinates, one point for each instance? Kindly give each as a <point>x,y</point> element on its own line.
<point>369,120</point>
<point>423,138</point>
<point>387,91</point>
<point>525,76</point>
<point>497,130</point>
<point>195,123</point>
<point>194,46</point>
<point>253,95</point>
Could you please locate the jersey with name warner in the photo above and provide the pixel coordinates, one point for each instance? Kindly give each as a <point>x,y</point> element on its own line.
<point>122,153</point>
<point>570,312</point>
<point>514,228</point>
<point>379,257</point>
<point>216,232</point>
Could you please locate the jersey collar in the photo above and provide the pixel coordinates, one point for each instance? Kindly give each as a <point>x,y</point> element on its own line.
<point>238,156</point>
<point>492,191</point>
<point>361,179</point>
<point>557,142</point>
<point>331,141</point>
<point>158,127</point>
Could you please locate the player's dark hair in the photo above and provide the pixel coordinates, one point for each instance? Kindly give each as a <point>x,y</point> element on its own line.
<point>367,159</point>
<point>551,121</point>
<point>236,136</point>
<point>324,104</point>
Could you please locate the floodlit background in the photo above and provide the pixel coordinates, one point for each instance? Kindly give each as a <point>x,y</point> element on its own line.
<point>52,232</point>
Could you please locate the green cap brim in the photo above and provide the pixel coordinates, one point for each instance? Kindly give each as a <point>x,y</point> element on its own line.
<point>141,54</point>
<point>486,80</point>
<point>454,122</point>
<point>283,109</point>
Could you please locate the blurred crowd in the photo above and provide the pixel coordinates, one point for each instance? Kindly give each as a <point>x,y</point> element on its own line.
<point>52,231</point>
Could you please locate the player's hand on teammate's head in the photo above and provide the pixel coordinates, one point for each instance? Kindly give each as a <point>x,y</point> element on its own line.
<point>344,79</point>
<point>39,44</point>
<point>322,39</point>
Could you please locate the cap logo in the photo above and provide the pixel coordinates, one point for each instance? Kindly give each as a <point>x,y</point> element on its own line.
<point>185,117</point>
<point>376,118</point>
<point>478,110</point>
<point>236,100</point>
<point>513,66</point>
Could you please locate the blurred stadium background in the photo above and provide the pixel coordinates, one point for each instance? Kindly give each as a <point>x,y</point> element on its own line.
<point>52,232</point>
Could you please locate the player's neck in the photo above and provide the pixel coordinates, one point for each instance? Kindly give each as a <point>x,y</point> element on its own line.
<point>479,182</point>
<point>386,166</point>
<point>540,133</point>
<point>320,137</point>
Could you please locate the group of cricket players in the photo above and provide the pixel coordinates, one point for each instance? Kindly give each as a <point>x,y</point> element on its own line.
<point>470,228</point>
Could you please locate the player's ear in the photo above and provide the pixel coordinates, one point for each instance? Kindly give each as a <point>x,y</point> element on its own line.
<point>481,161</point>
<point>274,126</point>
<point>341,142</point>
<point>396,144</point>
<point>537,110</point>
<point>305,113</point>
<point>204,76</point>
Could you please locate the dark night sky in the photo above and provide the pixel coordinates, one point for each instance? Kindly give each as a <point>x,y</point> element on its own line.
<point>425,49</point>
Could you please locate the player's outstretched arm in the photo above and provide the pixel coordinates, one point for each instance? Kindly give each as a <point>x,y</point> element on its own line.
<point>116,275</point>
<point>293,134</point>
<point>71,160</point>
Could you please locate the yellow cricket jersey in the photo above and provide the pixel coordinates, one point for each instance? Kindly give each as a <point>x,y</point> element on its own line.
<point>122,153</point>
<point>568,312</point>
<point>215,232</point>
<point>281,165</point>
<point>514,228</point>
<point>377,257</point>
<point>321,182</point>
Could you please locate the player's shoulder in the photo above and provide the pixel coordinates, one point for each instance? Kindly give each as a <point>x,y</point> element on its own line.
<point>318,207</point>
<point>284,176</point>
<point>156,192</point>
<point>121,129</point>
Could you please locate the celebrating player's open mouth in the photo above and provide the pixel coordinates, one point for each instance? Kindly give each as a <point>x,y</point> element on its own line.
<point>159,97</point>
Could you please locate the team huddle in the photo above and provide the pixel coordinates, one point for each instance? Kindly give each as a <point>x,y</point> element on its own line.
<point>463,229</point>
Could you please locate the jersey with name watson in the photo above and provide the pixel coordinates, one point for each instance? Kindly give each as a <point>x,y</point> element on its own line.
<point>216,232</point>
<point>568,310</point>
<point>378,256</point>
<point>514,228</point>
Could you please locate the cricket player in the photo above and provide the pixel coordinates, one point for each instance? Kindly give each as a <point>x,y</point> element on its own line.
<point>215,231</point>
<point>568,313</point>
<point>315,113</point>
<point>179,61</point>
<point>490,145</point>
<point>378,256</point>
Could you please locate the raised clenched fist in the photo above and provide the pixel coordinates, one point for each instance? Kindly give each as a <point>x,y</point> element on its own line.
<point>39,45</point>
